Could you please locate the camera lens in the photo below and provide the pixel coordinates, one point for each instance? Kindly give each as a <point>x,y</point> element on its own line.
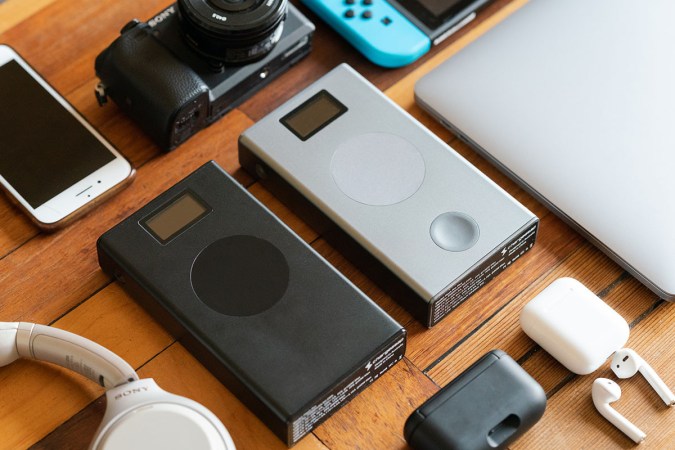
<point>232,6</point>
<point>224,4</point>
<point>232,31</point>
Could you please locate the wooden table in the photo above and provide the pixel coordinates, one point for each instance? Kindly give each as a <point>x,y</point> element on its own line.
<point>55,278</point>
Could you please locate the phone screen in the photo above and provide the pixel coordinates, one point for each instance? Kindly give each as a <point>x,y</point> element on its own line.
<point>44,149</point>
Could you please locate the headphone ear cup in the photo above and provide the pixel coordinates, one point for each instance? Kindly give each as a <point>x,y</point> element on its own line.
<point>142,415</point>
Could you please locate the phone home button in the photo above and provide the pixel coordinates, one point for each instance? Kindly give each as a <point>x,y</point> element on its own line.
<point>240,275</point>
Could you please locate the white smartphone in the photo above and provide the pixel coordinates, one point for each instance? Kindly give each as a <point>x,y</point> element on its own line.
<point>53,163</point>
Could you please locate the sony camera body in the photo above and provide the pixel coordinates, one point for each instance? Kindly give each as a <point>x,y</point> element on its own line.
<point>177,74</point>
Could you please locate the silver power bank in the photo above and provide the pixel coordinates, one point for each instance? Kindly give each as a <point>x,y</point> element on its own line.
<point>419,208</point>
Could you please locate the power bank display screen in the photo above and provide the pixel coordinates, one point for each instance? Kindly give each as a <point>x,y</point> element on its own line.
<point>177,216</point>
<point>433,13</point>
<point>313,115</point>
<point>43,149</point>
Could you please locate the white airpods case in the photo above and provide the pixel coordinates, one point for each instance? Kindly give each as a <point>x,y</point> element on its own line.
<point>574,325</point>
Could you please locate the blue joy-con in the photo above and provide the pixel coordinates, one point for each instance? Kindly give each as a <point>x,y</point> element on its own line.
<point>375,28</point>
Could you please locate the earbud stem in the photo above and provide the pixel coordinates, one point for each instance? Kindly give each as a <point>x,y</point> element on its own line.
<point>633,432</point>
<point>658,384</point>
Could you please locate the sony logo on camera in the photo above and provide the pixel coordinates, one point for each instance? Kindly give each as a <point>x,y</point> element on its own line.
<point>161,17</point>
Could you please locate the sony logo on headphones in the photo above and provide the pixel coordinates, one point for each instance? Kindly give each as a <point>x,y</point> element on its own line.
<point>131,392</point>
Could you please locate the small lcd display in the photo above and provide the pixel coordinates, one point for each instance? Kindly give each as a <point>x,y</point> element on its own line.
<point>43,148</point>
<point>312,116</point>
<point>176,217</point>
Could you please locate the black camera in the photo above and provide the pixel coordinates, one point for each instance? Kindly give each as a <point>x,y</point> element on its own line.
<point>198,59</point>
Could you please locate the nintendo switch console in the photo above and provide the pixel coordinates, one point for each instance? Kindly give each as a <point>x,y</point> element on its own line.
<point>424,214</point>
<point>395,33</point>
<point>278,325</point>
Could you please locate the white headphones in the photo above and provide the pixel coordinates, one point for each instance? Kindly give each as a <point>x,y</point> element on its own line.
<point>139,414</point>
<point>625,364</point>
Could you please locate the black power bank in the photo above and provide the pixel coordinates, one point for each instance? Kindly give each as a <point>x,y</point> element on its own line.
<point>268,316</point>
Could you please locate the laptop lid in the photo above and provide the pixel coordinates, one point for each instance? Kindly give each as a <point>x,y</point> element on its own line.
<point>575,100</point>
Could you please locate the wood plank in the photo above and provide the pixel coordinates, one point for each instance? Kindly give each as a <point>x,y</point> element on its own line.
<point>375,418</point>
<point>16,228</point>
<point>78,431</point>
<point>77,30</point>
<point>13,12</point>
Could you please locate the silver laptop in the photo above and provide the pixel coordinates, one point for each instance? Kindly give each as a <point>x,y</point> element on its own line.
<point>575,100</point>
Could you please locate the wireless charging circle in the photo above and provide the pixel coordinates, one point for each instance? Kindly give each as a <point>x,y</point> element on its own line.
<point>377,169</point>
<point>227,275</point>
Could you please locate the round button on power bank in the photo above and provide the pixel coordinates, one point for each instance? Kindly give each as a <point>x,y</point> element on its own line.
<point>454,231</point>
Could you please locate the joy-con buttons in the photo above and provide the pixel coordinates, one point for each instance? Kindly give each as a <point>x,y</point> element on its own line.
<point>375,28</point>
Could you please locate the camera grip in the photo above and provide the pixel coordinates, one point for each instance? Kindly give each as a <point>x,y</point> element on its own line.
<point>150,84</point>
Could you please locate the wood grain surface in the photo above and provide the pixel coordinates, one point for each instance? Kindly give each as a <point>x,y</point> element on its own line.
<point>55,278</point>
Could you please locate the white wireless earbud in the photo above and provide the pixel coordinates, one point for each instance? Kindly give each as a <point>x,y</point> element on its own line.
<point>605,392</point>
<point>627,363</point>
<point>139,414</point>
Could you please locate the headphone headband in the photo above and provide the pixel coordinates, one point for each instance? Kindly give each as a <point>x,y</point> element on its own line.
<point>64,349</point>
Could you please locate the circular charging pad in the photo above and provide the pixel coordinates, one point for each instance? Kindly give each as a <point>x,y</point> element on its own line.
<point>240,275</point>
<point>163,426</point>
<point>454,231</point>
<point>377,169</point>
